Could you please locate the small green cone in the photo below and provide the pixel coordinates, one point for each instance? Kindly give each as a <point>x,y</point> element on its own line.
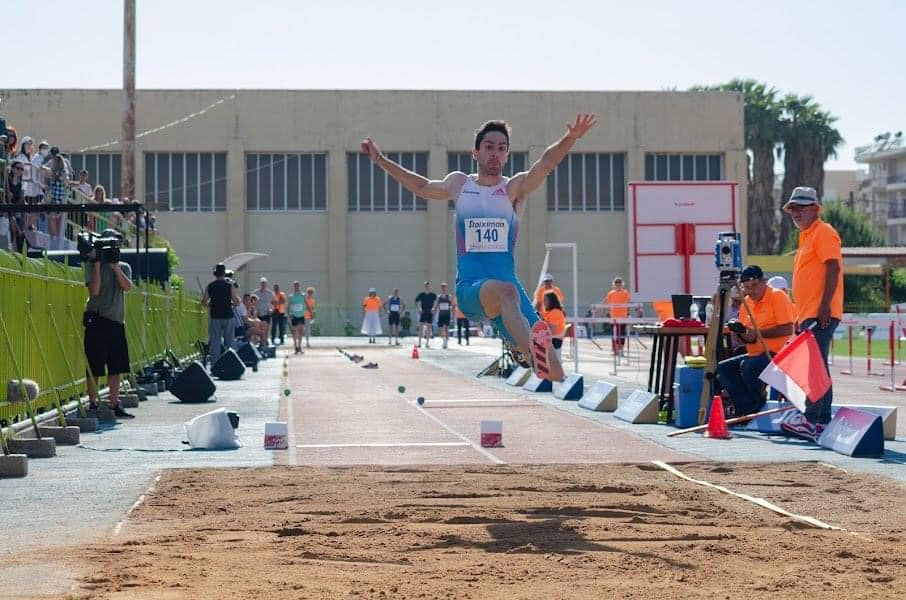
<point>401,389</point>
<point>287,392</point>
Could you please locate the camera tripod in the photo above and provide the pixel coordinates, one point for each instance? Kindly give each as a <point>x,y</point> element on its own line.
<point>714,346</point>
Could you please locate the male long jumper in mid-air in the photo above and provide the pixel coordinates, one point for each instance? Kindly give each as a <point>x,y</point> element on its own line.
<point>487,224</point>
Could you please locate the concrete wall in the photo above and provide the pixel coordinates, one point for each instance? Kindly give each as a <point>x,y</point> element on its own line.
<point>342,253</point>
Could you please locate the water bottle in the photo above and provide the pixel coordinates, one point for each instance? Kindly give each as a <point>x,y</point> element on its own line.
<point>693,312</point>
<point>709,311</point>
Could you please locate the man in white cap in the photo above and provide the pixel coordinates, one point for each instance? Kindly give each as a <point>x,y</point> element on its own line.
<point>547,285</point>
<point>264,306</point>
<point>818,292</point>
<point>778,282</point>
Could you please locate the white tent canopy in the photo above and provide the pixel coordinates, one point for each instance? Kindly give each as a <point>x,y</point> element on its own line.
<point>237,261</point>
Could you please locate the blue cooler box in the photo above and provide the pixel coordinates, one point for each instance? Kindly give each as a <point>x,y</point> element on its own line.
<point>687,392</point>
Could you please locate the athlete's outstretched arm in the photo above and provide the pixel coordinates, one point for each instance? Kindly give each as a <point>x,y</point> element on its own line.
<point>430,189</point>
<point>525,183</point>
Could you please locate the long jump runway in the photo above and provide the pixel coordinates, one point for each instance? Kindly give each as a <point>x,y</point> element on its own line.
<point>342,414</point>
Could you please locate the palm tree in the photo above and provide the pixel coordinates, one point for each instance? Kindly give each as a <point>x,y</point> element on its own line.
<point>809,139</point>
<point>761,117</point>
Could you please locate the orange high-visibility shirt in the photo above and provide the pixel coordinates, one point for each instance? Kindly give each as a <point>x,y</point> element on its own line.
<point>817,244</point>
<point>557,321</point>
<point>616,296</point>
<point>773,309</point>
<point>371,303</point>
<point>539,297</point>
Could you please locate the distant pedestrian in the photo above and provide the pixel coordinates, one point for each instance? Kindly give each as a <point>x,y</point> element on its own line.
<point>394,307</point>
<point>220,297</point>
<point>371,315</point>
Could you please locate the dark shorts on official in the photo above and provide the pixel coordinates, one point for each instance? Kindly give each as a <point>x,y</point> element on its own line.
<point>426,316</point>
<point>443,318</point>
<point>297,321</point>
<point>105,346</point>
<point>393,318</point>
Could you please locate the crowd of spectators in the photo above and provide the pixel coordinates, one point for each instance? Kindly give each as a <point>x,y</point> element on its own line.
<point>44,175</point>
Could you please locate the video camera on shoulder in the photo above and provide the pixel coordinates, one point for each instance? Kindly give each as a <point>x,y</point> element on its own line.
<point>106,245</point>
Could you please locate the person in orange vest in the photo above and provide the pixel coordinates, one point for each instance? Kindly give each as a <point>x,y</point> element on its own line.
<point>371,315</point>
<point>553,315</point>
<point>309,314</point>
<point>547,285</point>
<point>278,316</point>
<point>617,301</point>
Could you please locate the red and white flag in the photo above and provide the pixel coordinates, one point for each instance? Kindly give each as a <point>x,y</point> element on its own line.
<point>798,371</point>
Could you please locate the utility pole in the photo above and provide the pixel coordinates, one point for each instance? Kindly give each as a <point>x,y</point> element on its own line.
<point>127,186</point>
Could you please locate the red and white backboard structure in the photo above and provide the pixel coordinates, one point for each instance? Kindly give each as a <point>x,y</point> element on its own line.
<point>673,227</point>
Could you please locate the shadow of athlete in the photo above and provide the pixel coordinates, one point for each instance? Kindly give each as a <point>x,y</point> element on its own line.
<point>487,224</point>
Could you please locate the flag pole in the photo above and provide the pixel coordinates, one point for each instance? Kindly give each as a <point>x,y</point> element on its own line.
<point>734,420</point>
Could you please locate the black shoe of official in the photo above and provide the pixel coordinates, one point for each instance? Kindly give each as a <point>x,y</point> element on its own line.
<point>119,412</point>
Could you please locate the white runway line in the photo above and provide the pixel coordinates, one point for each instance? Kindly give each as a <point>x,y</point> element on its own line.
<point>386,445</point>
<point>479,400</point>
<point>477,448</point>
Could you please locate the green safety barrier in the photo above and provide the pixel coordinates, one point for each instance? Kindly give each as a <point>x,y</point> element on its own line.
<point>41,306</point>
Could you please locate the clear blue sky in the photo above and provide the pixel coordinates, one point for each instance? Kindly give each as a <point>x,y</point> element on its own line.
<point>848,55</point>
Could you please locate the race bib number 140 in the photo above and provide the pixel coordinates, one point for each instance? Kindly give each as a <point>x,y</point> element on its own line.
<point>487,235</point>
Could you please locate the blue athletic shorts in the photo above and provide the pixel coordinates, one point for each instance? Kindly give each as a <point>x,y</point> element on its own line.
<point>469,301</point>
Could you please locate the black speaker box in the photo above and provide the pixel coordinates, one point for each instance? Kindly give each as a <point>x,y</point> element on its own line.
<point>228,367</point>
<point>249,354</point>
<point>193,384</point>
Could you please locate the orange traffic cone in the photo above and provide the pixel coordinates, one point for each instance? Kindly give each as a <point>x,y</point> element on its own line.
<point>414,351</point>
<point>717,424</point>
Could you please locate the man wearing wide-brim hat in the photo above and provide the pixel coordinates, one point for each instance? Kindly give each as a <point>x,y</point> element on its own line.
<point>817,292</point>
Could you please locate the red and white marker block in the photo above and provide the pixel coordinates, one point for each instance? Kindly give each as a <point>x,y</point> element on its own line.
<point>276,436</point>
<point>492,434</point>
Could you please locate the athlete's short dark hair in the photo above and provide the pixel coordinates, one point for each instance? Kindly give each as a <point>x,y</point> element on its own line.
<point>493,125</point>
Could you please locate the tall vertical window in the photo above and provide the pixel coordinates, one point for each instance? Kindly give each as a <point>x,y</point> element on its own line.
<point>104,169</point>
<point>286,182</point>
<point>371,189</point>
<point>186,181</point>
<point>588,181</point>
<point>684,167</point>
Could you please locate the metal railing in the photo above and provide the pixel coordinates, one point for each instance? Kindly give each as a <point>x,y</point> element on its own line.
<point>41,306</point>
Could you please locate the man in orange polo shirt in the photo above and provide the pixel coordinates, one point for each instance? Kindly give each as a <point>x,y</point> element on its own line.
<point>774,318</point>
<point>617,300</point>
<point>818,293</point>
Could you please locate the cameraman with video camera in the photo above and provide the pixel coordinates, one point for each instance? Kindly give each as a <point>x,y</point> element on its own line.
<point>769,312</point>
<point>105,314</point>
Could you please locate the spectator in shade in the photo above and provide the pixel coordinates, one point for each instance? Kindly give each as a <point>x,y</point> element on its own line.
<point>57,188</point>
<point>12,138</point>
<point>15,195</point>
<point>86,192</point>
<point>26,151</point>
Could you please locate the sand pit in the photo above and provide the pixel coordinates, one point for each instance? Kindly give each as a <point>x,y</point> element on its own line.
<point>595,531</point>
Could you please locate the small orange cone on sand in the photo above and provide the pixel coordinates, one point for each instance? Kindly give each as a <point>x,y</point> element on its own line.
<point>414,351</point>
<point>717,424</point>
